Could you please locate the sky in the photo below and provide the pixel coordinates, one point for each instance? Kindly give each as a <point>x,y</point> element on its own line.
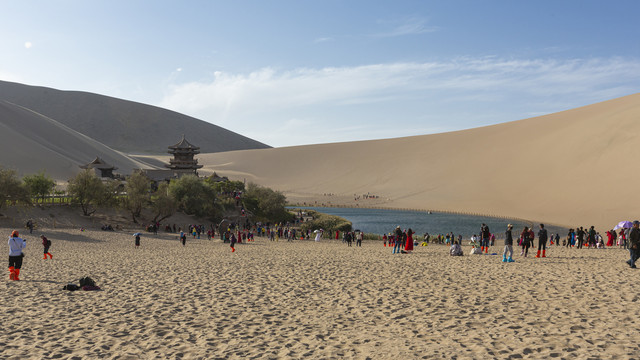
<point>306,72</point>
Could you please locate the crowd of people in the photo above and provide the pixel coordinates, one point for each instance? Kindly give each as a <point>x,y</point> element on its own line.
<point>402,241</point>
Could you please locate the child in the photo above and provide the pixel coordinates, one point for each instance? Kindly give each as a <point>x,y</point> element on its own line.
<point>47,244</point>
<point>233,242</point>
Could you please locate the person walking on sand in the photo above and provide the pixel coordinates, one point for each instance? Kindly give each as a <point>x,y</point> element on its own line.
<point>232,241</point>
<point>634,246</point>
<point>46,243</point>
<point>16,244</point>
<point>508,245</point>
<point>359,239</point>
<point>137,241</point>
<point>542,241</point>
<point>526,241</point>
<point>183,238</point>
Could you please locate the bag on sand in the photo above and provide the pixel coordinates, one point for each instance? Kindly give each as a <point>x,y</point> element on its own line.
<point>87,281</point>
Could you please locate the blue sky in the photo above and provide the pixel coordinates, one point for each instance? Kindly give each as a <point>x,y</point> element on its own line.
<point>305,72</point>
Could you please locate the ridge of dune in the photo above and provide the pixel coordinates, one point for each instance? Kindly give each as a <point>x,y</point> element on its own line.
<point>570,168</point>
<point>124,125</point>
<point>33,142</point>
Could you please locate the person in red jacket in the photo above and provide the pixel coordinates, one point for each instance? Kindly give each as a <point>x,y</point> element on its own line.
<point>46,244</point>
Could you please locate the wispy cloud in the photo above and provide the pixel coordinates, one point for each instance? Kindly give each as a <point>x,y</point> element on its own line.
<point>410,26</point>
<point>323,39</point>
<point>367,95</point>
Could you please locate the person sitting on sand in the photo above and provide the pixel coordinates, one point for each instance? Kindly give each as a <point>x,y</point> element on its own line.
<point>456,249</point>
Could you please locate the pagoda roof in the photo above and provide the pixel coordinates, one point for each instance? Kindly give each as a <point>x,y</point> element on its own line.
<point>184,144</point>
<point>98,163</point>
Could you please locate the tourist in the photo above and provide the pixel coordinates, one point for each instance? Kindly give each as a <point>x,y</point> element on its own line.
<point>137,241</point>
<point>348,237</point>
<point>580,234</point>
<point>30,226</point>
<point>360,238</point>
<point>593,240</point>
<point>46,243</point>
<point>456,249</point>
<point>634,239</point>
<point>232,241</point>
<point>542,241</point>
<point>508,245</point>
<point>526,241</point>
<point>16,244</point>
<point>384,239</point>
<point>485,235</point>
<point>408,246</point>
<point>397,240</point>
<point>183,238</point>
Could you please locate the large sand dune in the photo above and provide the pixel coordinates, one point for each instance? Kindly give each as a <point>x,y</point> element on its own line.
<point>572,168</point>
<point>32,142</point>
<point>124,125</point>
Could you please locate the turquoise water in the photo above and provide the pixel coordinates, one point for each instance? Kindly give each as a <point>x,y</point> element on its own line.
<point>381,221</point>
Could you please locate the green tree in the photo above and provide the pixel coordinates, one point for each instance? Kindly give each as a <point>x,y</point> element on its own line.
<point>11,188</point>
<point>137,188</point>
<point>163,203</point>
<point>87,190</point>
<point>194,196</point>
<point>265,203</point>
<point>39,184</point>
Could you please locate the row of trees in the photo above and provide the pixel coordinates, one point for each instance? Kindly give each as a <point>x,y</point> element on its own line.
<point>189,194</point>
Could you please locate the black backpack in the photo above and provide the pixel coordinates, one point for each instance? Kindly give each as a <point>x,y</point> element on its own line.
<point>87,281</point>
<point>48,243</point>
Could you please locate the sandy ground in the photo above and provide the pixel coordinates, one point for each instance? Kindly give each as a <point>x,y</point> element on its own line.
<point>304,299</point>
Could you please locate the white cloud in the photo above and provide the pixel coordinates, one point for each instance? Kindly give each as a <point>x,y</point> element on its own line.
<point>367,97</point>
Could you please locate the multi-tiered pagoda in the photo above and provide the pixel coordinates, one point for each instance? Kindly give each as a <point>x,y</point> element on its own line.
<point>183,161</point>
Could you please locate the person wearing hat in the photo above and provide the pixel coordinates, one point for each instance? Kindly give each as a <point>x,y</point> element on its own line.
<point>508,245</point>
<point>16,244</point>
<point>634,248</point>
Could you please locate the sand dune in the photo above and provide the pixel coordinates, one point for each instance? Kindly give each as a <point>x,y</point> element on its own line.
<point>32,142</point>
<point>570,168</point>
<point>124,125</point>
<point>203,302</point>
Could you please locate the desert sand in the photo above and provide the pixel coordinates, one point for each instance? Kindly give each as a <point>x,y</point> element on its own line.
<point>572,168</point>
<point>272,300</point>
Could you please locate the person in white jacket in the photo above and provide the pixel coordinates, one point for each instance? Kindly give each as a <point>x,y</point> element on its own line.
<point>16,244</point>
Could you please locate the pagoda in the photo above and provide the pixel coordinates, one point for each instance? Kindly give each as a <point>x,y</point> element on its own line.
<point>101,168</point>
<point>183,161</point>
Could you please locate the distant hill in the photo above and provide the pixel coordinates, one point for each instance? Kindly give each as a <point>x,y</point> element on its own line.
<point>31,142</point>
<point>126,126</point>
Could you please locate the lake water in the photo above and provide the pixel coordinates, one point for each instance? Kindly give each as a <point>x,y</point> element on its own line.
<point>381,221</point>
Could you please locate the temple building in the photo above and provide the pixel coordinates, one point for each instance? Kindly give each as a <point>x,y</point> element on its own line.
<point>101,168</point>
<point>183,161</point>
